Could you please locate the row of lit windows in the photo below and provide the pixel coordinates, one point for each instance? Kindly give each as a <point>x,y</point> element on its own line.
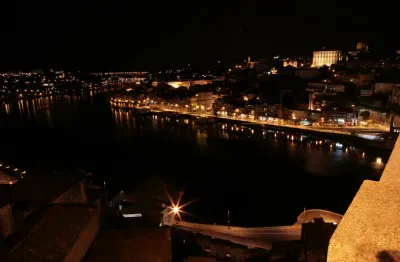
<point>324,55</point>
<point>326,52</point>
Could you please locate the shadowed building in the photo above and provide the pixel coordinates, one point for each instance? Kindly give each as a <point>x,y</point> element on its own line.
<point>140,244</point>
<point>56,232</point>
<point>315,237</point>
<point>18,200</point>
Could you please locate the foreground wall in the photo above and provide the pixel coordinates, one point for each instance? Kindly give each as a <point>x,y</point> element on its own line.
<point>370,229</point>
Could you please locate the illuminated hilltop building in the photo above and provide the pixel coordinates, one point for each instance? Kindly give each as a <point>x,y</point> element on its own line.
<point>290,62</point>
<point>362,47</point>
<point>326,57</point>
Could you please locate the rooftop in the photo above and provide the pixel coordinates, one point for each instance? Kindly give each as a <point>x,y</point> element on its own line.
<point>200,259</point>
<point>6,179</point>
<point>34,188</point>
<point>49,234</point>
<point>10,175</point>
<point>140,244</point>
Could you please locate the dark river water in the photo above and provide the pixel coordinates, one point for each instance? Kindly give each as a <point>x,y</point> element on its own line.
<point>263,178</point>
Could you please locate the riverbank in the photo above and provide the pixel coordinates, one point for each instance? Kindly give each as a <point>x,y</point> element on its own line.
<point>339,133</point>
<point>223,169</point>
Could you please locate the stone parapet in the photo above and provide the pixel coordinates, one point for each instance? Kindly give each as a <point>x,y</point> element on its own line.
<point>370,228</point>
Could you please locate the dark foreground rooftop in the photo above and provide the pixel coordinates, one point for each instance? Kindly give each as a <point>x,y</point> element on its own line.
<point>37,189</point>
<point>10,175</point>
<point>138,244</point>
<point>49,233</point>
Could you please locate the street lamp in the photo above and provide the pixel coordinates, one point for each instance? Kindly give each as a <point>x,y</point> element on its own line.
<point>175,209</point>
<point>229,222</point>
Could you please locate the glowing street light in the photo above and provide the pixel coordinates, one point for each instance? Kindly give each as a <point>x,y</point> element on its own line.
<point>176,208</point>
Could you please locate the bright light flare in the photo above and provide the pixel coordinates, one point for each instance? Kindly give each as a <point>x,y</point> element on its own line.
<point>176,211</point>
<point>176,208</point>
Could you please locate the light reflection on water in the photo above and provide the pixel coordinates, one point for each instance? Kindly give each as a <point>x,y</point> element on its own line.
<point>41,107</point>
<point>249,166</point>
<point>316,156</point>
<point>201,138</point>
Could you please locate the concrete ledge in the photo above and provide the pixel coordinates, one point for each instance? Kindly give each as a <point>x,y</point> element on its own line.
<point>370,229</point>
<point>327,216</point>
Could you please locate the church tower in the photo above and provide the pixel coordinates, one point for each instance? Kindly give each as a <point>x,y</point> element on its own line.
<point>249,63</point>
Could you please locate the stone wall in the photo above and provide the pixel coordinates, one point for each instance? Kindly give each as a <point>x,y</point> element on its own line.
<point>370,228</point>
<point>327,216</point>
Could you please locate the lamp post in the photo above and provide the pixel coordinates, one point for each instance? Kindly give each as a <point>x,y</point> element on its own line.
<point>229,222</point>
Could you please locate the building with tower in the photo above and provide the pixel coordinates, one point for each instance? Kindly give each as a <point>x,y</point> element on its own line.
<point>362,47</point>
<point>250,64</point>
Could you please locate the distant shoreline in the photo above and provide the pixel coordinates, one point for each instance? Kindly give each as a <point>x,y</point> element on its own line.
<point>326,133</point>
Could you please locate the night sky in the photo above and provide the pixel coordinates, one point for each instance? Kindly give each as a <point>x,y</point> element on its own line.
<point>134,35</point>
